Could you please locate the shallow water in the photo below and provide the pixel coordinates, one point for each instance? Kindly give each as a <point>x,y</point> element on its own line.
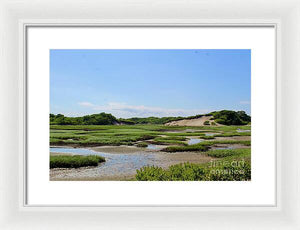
<point>243,130</point>
<point>193,141</point>
<point>116,164</point>
<point>210,134</point>
<point>152,147</point>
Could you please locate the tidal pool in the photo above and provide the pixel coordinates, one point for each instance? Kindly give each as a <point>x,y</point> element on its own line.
<point>243,130</point>
<point>116,164</point>
<point>193,141</point>
<point>152,147</point>
<point>210,134</point>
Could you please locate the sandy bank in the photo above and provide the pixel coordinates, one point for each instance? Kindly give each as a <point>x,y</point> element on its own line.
<point>191,122</point>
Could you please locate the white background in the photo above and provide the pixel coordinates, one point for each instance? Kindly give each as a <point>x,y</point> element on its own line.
<point>260,191</point>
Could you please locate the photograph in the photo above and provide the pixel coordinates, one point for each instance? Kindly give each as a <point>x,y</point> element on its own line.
<point>150,115</point>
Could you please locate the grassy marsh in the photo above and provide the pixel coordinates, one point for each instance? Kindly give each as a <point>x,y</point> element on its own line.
<point>204,146</point>
<point>99,135</point>
<point>171,139</point>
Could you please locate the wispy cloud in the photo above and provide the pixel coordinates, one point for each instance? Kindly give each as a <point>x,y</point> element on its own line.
<point>245,102</point>
<point>86,104</point>
<point>125,111</point>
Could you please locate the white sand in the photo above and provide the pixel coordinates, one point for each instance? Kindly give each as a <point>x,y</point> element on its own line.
<point>191,122</point>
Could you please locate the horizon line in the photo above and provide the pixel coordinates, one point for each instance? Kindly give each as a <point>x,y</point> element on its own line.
<point>197,114</point>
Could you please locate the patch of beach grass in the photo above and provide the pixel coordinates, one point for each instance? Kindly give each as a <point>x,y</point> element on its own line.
<point>169,140</point>
<point>220,153</point>
<point>76,161</point>
<point>241,171</point>
<point>203,146</point>
<point>230,134</point>
<point>142,145</point>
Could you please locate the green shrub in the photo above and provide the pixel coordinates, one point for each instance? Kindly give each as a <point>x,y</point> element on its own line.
<point>228,117</point>
<point>149,173</point>
<point>196,172</point>
<point>94,119</point>
<point>206,123</point>
<point>186,172</point>
<point>76,161</point>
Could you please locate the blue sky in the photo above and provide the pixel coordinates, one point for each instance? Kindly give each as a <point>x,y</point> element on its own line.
<point>142,83</point>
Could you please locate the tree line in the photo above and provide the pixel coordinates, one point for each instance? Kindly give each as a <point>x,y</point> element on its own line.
<point>225,117</point>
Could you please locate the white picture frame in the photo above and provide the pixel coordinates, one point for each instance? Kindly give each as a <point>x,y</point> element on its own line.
<point>15,215</point>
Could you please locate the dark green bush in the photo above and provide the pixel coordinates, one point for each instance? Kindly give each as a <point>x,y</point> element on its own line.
<point>206,123</point>
<point>94,119</point>
<point>228,117</point>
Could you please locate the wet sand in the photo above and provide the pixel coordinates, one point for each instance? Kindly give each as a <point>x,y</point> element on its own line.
<point>117,149</point>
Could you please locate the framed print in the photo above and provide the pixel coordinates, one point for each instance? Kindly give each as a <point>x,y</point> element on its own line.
<point>170,115</point>
<point>125,115</point>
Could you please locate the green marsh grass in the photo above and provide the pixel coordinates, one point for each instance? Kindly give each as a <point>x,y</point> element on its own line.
<point>113,135</point>
<point>142,145</point>
<point>220,153</point>
<point>76,161</point>
<point>204,146</point>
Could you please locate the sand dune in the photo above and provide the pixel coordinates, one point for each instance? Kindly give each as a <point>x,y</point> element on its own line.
<point>191,122</point>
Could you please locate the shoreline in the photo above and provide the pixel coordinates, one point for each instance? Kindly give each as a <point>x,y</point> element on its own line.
<point>105,171</point>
